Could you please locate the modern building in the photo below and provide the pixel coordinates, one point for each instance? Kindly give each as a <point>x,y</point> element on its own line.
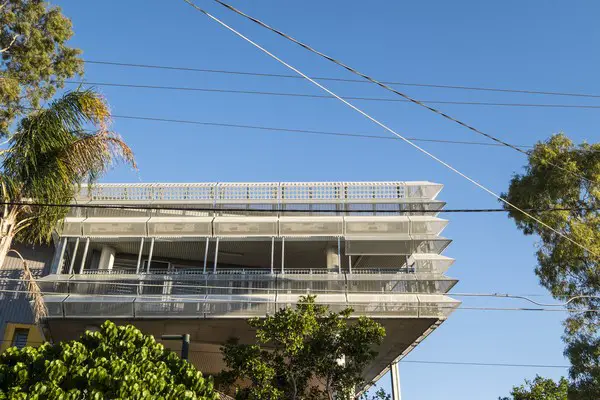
<point>200,258</point>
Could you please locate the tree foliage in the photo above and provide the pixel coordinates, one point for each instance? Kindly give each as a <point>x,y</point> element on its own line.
<point>540,389</point>
<point>50,154</point>
<point>304,353</point>
<point>380,394</point>
<point>34,59</point>
<point>566,269</point>
<point>117,362</point>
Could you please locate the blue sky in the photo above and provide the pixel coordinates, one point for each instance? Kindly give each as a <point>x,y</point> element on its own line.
<point>538,45</point>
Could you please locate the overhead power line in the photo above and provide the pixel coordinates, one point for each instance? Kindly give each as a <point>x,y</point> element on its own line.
<point>320,78</point>
<point>313,132</point>
<point>317,96</point>
<point>393,132</point>
<point>68,278</point>
<point>372,80</point>
<point>482,364</point>
<point>505,296</point>
<point>486,364</point>
<point>294,130</point>
<point>262,210</point>
<point>178,298</point>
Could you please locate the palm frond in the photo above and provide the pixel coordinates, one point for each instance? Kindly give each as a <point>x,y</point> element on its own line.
<point>93,154</point>
<point>56,149</point>
<point>39,307</point>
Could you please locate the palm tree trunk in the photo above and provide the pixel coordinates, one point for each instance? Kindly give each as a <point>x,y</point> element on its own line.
<point>7,234</point>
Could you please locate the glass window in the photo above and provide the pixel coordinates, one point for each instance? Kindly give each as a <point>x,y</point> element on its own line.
<point>20,337</point>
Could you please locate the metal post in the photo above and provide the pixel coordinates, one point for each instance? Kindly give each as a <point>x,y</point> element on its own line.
<point>395,376</point>
<point>216,257</point>
<point>150,255</point>
<point>84,256</point>
<point>339,255</point>
<point>61,256</point>
<point>185,347</point>
<point>139,261</point>
<point>205,255</point>
<point>272,253</point>
<point>349,264</point>
<point>185,343</point>
<point>72,264</point>
<point>282,255</point>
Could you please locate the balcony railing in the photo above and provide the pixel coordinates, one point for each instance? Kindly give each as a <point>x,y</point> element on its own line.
<point>261,192</point>
<point>246,271</point>
<point>244,306</point>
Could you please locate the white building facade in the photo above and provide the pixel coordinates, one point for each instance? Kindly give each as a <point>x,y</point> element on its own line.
<point>201,258</point>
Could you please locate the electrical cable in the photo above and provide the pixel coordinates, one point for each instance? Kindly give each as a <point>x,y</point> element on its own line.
<point>176,299</point>
<point>317,96</point>
<point>317,211</point>
<point>382,85</point>
<point>320,78</point>
<point>302,291</point>
<point>294,130</point>
<point>481,364</point>
<point>107,281</point>
<point>390,129</point>
<point>485,364</point>
<point>314,132</point>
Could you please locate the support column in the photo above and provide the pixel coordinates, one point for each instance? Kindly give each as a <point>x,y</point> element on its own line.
<point>73,256</point>
<point>205,255</point>
<point>107,258</point>
<point>339,254</point>
<point>84,256</point>
<point>216,257</point>
<point>349,264</point>
<point>139,260</point>
<point>283,255</point>
<point>150,255</point>
<point>272,253</point>
<point>395,376</point>
<point>59,256</point>
<point>332,258</point>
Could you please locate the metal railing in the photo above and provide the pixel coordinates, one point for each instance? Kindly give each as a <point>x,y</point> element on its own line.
<point>246,271</point>
<point>422,306</point>
<point>268,192</point>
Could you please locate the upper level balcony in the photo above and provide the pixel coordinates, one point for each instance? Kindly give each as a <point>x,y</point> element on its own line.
<point>353,244</point>
<point>166,256</point>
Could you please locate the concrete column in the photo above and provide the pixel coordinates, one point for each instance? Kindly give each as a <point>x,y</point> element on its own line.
<point>332,258</point>
<point>395,375</point>
<point>107,258</point>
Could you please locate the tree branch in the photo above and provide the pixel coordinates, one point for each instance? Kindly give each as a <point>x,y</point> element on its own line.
<point>14,39</point>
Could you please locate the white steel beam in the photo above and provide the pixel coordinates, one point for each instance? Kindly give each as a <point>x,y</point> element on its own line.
<point>395,376</point>
<point>72,264</point>
<point>139,260</point>
<point>84,256</point>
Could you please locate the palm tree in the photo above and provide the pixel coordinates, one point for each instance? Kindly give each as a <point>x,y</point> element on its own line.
<point>51,153</point>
